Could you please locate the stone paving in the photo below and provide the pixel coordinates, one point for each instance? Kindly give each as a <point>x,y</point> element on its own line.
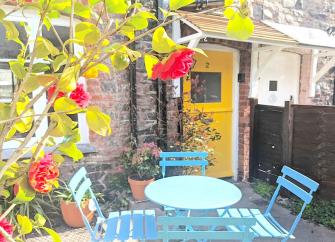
<point>306,231</point>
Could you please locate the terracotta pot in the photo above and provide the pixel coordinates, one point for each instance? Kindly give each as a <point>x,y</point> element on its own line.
<point>71,214</point>
<point>137,188</point>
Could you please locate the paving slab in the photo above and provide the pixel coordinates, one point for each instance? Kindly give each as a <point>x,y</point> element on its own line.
<point>305,232</point>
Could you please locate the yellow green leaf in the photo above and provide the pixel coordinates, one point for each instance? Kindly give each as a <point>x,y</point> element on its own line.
<point>10,133</point>
<point>55,237</point>
<point>150,61</point>
<point>33,81</point>
<point>58,158</point>
<point>2,14</point>
<point>117,6</point>
<point>26,227</point>
<point>67,105</point>
<point>133,54</point>
<point>240,27</point>
<point>40,67</point>
<point>68,80</point>
<point>5,194</point>
<point>228,2</point>
<point>128,31</point>
<point>39,220</point>
<point>98,121</point>
<point>229,13</point>
<point>140,20</point>
<point>25,192</point>
<point>24,124</point>
<point>167,13</point>
<point>87,32</point>
<point>64,125</point>
<point>71,150</point>
<point>161,42</point>
<point>103,68</point>
<point>176,4</point>
<point>58,62</point>
<point>120,61</point>
<point>11,31</point>
<point>44,48</point>
<point>81,10</point>
<point>18,69</point>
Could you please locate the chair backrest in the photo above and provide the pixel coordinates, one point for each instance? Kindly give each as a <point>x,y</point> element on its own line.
<point>183,159</point>
<point>170,231</point>
<point>79,185</point>
<point>291,185</point>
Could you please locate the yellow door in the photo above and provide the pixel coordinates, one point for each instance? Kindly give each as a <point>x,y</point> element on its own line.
<point>209,89</point>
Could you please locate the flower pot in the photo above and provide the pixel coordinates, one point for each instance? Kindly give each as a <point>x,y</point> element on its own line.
<point>71,214</point>
<point>137,188</point>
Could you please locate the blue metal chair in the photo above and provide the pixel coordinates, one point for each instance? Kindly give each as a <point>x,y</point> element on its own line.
<point>169,159</point>
<point>183,159</point>
<point>169,228</point>
<point>267,226</point>
<point>124,225</point>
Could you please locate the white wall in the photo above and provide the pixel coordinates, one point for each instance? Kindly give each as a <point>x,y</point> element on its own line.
<point>284,68</point>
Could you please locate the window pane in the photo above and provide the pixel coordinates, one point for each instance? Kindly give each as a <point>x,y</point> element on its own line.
<point>62,31</point>
<point>206,87</point>
<point>10,49</point>
<point>6,84</point>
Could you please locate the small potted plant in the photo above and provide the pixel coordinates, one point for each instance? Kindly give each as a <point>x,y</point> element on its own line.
<point>141,166</point>
<point>70,212</point>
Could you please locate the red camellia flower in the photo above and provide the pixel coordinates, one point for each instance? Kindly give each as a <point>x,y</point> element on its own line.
<point>43,173</point>
<point>176,65</point>
<point>51,91</point>
<point>7,227</point>
<point>80,96</point>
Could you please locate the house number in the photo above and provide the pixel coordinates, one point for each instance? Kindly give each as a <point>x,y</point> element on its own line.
<point>207,64</point>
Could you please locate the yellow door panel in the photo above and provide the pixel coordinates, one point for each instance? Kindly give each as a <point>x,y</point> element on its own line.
<point>209,89</point>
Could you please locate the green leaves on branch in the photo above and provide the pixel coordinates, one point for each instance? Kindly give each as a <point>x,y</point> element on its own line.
<point>176,4</point>
<point>140,20</point>
<point>240,27</point>
<point>18,69</point>
<point>68,80</point>
<point>24,124</point>
<point>161,42</point>
<point>44,48</point>
<point>25,225</point>
<point>98,121</point>
<point>150,61</point>
<point>25,192</point>
<point>117,6</point>
<point>67,105</point>
<point>63,125</point>
<point>87,32</point>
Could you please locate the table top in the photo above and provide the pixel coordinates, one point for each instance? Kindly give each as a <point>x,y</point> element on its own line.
<point>193,192</point>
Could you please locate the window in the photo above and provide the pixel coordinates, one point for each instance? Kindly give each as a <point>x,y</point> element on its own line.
<point>206,87</point>
<point>9,50</point>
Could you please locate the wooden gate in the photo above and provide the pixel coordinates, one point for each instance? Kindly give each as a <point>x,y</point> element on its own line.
<point>300,136</point>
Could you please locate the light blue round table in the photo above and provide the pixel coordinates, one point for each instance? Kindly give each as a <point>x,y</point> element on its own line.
<point>193,192</point>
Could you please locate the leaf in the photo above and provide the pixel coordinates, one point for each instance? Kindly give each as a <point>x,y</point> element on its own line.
<point>128,31</point>
<point>5,194</point>
<point>39,220</point>
<point>240,27</point>
<point>64,125</point>
<point>82,10</point>
<point>65,104</point>
<point>11,31</point>
<point>25,192</point>
<point>68,80</point>
<point>44,48</point>
<point>229,13</point>
<point>71,150</point>
<point>26,227</point>
<point>150,61</point>
<point>58,158</point>
<point>24,124</point>
<point>54,235</point>
<point>18,69</point>
<point>167,13</point>
<point>140,20</point>
<point>40,67</point>
<point>117,6</point>
<point>2,14</point>
<point>103,68</point>
<point>98,121</point>
<point>120,61</point>
<point>133,54</point>
<point>87,32</point>
<point>176,4</point>
<point>34,81</point>
<point>228,2</point>
<point>161,42</point>
<point>58,62</point>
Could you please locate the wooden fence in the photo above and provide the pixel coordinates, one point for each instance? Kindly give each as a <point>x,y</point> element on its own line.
<point>300,136</point>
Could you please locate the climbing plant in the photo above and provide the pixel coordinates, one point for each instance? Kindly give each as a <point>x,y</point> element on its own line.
<point>101,32</point>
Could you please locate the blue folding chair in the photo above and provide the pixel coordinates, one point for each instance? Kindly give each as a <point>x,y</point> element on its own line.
<point>124,225</point>
<point>169,228</point>
<point>182,159</point>
<point>267,226</point>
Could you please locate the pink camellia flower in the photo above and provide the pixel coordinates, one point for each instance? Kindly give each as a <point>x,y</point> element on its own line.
<point>7,227</point>
<point>176,65</point>
<point>80,96</point>
<point>43,174</point>
<point>51,91</point>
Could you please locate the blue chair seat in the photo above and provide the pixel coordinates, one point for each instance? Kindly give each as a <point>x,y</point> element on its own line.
<point>265,227</point>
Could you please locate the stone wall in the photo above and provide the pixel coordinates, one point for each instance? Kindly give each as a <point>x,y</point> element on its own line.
<point>307,13</point>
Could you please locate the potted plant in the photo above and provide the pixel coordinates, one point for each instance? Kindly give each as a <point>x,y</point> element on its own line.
<point>141,166</point>
<point>70,212</point>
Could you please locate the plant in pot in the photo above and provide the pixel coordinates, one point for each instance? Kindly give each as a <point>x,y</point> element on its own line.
<point>141,166</point>
<point>70,212</point>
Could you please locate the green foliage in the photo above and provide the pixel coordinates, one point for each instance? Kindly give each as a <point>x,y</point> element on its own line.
<point>263,188</point>
<point>120,193</point>
<point>141,163</point>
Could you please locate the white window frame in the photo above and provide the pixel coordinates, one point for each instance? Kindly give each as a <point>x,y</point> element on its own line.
<point>32,19</point>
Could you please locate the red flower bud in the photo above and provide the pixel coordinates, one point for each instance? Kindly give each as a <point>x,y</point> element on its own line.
<point>7,227</point>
